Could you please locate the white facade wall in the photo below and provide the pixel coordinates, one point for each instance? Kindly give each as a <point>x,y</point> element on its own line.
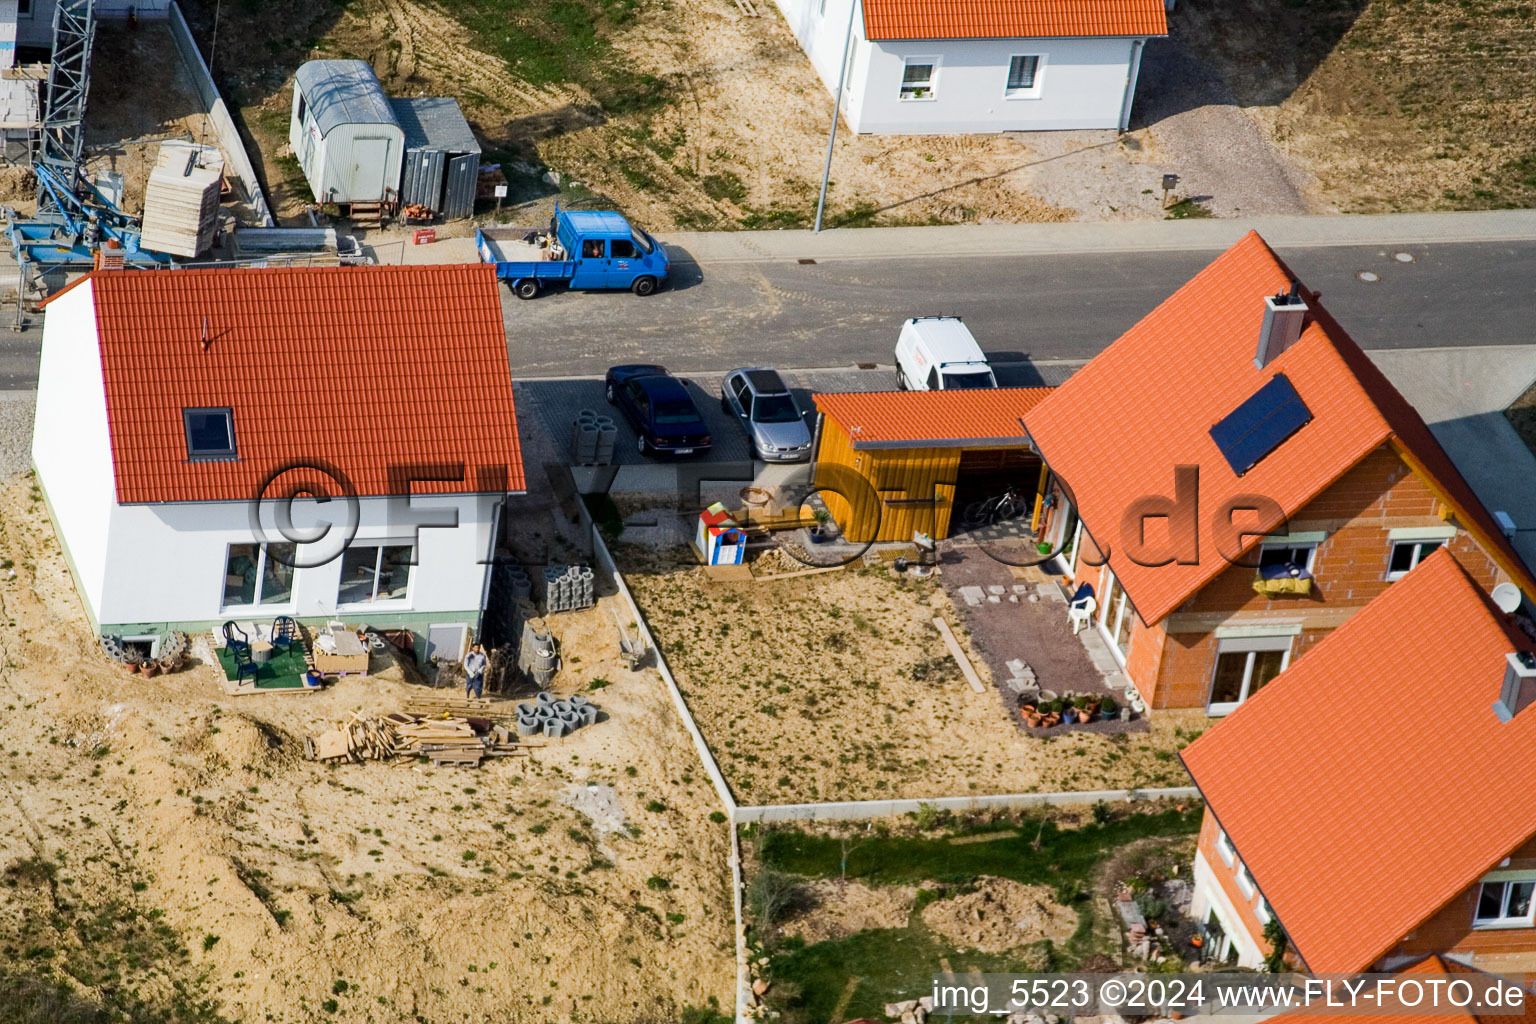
<point>167,562</point>
<point>1080,83</point>
<point>70,450</point>
<point>1208,896</point>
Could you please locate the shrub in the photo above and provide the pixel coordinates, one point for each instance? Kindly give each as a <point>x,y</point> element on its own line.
<point>772,895</point>
<point>718,817</point>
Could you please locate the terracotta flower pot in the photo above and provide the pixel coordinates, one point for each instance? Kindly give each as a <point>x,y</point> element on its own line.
<point>1033,719</point>
<point>169,665</point>
<point>1054,718</point>
<point>149,668</point>
<point>130,668</point>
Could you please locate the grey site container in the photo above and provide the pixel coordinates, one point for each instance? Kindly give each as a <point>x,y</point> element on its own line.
<point>344,132</point>
<point>442,155</point>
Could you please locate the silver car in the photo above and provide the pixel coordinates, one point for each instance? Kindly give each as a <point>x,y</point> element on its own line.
<point>759,400</point>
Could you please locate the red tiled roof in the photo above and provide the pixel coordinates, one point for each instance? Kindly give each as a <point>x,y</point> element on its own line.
<point>1369,783</point>
<point>1428,967</point>
<point>1118,428</point>
<point>933,419</point>
<point>361,367</point>
<point>1012,19</point>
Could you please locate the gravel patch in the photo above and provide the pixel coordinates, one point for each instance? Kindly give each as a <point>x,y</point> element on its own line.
<point>16,432</point>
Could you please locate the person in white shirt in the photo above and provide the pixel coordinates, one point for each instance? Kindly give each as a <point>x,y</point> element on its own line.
<point>474,671</point>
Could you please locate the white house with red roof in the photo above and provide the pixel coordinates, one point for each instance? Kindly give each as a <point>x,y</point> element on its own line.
<point>1370,799</point>
<point>924,67</point>
<point>222,445</point>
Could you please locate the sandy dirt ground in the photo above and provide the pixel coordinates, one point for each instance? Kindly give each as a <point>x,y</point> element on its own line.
<point>1000,914</point>
<point>835,908</point>
<point>741,138</point>
<point>288,890</point>
<point>141,95</point>
<point>837,686</point>
<point>1383,106</point>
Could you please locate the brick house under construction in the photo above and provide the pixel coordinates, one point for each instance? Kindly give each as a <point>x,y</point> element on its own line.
<point>1245,479</point>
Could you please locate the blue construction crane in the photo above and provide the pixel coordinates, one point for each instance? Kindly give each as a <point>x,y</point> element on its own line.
<point>74,219</point>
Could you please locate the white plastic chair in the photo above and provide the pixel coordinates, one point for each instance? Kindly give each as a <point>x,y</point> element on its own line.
<point>1080,612</point>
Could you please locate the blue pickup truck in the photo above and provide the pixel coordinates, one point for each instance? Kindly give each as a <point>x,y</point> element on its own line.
<point>580,249</point>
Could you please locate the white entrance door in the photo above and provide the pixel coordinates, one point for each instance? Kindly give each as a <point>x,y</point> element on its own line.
<point>370,159</point>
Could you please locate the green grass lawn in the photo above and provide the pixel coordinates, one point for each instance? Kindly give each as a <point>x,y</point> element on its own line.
<point>811,983</point>
<point>1064,856</point>
<point>284,672</point>
<point>891,964</point>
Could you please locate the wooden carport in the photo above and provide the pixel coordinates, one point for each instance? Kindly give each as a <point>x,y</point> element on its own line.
<point>889,463</point>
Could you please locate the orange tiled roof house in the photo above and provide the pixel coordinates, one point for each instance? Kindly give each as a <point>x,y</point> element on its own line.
<point>1243,480</point>
<point>179,412</point>
<point>1368,799</point>
<point>938,66</point>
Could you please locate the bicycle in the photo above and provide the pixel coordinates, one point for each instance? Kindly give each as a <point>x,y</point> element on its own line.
<point>1005,506</point>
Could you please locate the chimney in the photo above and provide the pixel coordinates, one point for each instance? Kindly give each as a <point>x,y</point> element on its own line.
<point>1519,691</point>
<point>1283,316</point>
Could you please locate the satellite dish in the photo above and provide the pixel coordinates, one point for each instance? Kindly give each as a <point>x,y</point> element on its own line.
<point>1507,597</point>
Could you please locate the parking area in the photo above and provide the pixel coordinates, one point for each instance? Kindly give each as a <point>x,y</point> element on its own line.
<point>558,401</point>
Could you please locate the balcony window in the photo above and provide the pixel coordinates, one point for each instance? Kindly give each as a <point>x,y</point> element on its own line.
<point>375,573</point>
<point>258,574</point>
<point>1505,904</point>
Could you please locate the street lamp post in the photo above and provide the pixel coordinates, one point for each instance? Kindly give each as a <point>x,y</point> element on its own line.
<point>837,102</point>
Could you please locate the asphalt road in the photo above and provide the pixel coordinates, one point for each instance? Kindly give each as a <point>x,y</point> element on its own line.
<point>1038,307</point>
<point>1035,307</point>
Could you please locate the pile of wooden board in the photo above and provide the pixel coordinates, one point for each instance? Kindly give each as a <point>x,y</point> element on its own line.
<point>181,199</point>
<point>442,739</point>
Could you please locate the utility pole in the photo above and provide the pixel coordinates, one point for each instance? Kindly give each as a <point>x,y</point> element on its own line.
<point>837,102</point>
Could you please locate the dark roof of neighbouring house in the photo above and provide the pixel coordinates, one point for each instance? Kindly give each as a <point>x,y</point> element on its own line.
<point>434,122</point>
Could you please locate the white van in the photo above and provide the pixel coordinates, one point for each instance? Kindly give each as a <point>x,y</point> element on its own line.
<point>937,353</point>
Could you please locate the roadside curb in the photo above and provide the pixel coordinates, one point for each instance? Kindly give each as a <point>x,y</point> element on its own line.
<point>994,240</point>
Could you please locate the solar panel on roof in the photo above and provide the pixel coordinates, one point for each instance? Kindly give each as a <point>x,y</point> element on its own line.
<point>1261,424</point>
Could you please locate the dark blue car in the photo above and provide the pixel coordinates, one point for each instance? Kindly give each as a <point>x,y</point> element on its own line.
<point>660,409</point>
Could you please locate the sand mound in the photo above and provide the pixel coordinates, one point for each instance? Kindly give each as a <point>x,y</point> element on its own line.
<point>836,909</point>
<point>999,915</point>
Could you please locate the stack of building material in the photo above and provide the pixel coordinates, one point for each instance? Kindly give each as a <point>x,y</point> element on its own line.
<point>181,200</point>
<point>442,739</point>
<point>538,657</point>
<point>568,588</point>
<point>553,716</point>
<point>592,439</point>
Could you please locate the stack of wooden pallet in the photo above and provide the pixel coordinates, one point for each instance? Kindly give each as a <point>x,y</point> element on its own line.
<point>438,702</point>
<point>181,199</point>
<point>441,739</point>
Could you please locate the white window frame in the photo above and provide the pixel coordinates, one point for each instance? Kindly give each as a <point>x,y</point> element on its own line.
<point>1225,848</point>
<point>1118,610</point>
<point>286,608</point>
<point>1507,879</point>
<point>1309,547</point>
<point>933,79</point>
<point>1031,93</point>
<point>1245,881</point>
<point>392,603</point>
<point>1250,645</point>
<point>1262,912</point>
<point>1416,536</point>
